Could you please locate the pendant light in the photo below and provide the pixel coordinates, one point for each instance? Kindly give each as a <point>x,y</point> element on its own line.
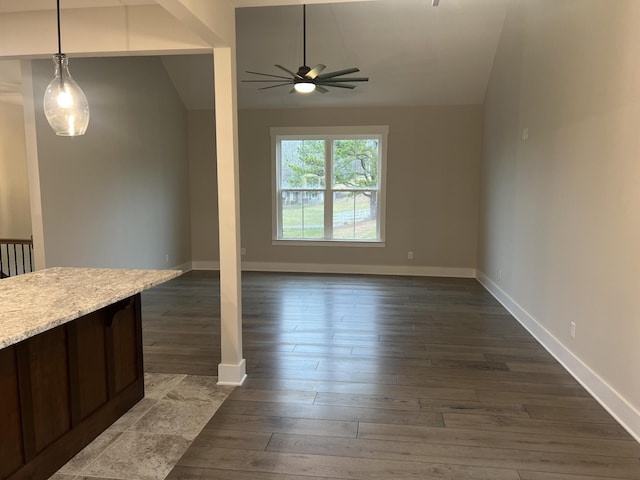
<point>65,104</point>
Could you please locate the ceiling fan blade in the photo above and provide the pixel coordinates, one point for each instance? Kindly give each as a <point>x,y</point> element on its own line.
<point>267,81</point>
<point>294,75</point>
<point>338,73</point>
<point>352,79</point>
<point>274,86</point>
<point>339,85</point>
<point>267,75</point>
<point>321,89</point>
<point>315,71</point>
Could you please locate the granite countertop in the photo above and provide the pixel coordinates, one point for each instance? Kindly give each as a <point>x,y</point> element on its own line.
<point>36,302</point>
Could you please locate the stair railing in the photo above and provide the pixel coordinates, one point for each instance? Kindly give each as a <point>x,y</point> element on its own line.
<point>16,256</point>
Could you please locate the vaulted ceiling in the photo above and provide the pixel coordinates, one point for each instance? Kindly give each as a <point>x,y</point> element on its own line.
<point>413,53</point>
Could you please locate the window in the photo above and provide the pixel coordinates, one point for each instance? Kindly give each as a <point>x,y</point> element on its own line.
<point>329,184</point>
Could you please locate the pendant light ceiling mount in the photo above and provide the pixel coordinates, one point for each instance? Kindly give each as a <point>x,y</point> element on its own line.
<point>307,80</point>
<point>65,104</point>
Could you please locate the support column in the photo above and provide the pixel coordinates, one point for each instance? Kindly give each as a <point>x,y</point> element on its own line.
<point>33,165</point>
<point>232,369</point>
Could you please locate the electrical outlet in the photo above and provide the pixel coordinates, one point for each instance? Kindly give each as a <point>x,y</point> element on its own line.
<point>410,255</point>
<point>166,258</point>
<point>500,274</point>
<point>243,251</point>
<point>525,134</point>
<point>573,329</point>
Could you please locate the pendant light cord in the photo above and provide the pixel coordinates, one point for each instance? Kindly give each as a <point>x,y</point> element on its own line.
<point>59,40</point>
<point>59,47</point>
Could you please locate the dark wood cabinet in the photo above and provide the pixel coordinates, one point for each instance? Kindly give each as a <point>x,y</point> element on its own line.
<point>62,388</point>
<point>11,444</point>
<point>89,378</point>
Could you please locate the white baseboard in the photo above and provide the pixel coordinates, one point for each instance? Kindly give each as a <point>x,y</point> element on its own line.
<point>607,396</point>
<point>205,265</point>
<point>359,269</point>
<point>185,267</point>
<point>403,270</point>
<point>229,374</point>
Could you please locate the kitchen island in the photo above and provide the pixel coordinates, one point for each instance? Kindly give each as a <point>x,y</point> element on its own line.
<point>70,361</point>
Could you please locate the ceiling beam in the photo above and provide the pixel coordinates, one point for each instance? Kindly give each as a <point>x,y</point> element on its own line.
<point>274,3</point>
<point>142,29</point>
<point>9,6</point>
<point>214,22</point>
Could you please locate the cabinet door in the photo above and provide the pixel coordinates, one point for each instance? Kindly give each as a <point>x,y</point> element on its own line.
<point>87,346</point>
<point>49,381</point>
<point>11,454</point>
<point>126,333</point>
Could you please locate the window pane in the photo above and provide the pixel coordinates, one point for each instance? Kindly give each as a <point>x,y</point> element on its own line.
<point>355,164</point>
<point>355,215</point>
<point>302,214</point>
<point>302,164</point>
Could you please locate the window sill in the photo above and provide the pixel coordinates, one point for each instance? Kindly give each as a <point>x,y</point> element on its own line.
<point>330,243</point>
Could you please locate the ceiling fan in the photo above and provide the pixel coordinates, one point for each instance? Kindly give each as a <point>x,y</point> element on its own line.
<point>306,79</point>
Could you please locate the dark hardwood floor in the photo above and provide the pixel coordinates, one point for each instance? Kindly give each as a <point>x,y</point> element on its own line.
<point>357,377</point>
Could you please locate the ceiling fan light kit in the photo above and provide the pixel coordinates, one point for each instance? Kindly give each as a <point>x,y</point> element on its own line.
<point>307,80</point>
<point>304,87</point>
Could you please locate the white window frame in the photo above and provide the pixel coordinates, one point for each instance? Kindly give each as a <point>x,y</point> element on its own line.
<point>328,134</point>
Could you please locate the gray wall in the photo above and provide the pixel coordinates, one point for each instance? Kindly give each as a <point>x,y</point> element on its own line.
<point>432,188</point>
<point>15,215</point>
<point>203,191</point>
<point>433,159</point>
<point>117,196</point>
<point>560,218</point>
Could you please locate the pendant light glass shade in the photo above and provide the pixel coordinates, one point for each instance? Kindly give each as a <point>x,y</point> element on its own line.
<point>65,104</point>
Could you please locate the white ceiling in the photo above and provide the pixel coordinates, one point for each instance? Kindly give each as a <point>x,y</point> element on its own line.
<point>7,6</point>
<point>413,53</point>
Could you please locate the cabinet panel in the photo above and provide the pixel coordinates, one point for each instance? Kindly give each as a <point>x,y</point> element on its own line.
<point>11,454</point>
<point>126,349</point>
<point>49,380</point>
<point>91,364</point>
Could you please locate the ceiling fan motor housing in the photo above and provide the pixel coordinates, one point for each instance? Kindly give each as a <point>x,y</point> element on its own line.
<point>303,71</point>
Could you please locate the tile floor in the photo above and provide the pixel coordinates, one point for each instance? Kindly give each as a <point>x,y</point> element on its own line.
<point>146,442</point>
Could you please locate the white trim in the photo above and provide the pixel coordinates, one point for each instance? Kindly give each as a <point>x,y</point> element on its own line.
<point>276,199</point>
<point>329,151</point>
<point>328,134</point>
<point>185,267</point>
<point>403,270</point>
<point>359,269</point>
<point>614,403</point>
<point>337,131</point>
<point>328,243</point>
<point>205,265</point>
<point>33,166</point>
<point>232,374</point>
<point>382,187</point>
